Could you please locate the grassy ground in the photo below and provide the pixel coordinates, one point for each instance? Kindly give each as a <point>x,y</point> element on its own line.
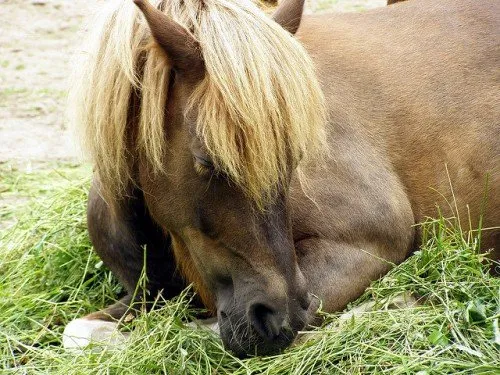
<point>49,275</point>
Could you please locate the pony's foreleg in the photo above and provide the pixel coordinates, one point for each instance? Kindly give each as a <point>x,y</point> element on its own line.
<point>130,243</point>
<point>339,272</point>
<point>121,237</point>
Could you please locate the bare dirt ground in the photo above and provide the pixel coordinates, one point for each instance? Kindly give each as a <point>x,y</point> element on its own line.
<point>36,43</point>
<point>37,40</point>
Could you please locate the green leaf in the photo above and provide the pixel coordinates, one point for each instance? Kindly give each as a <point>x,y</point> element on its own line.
<point>438,338</point>
<point>475,312</point>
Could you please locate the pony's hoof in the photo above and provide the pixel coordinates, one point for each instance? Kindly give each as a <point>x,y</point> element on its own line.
<point>80,333</point>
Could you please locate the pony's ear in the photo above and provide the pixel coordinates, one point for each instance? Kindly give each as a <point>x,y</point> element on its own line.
<point>180,46</point>
<point>289,14</point>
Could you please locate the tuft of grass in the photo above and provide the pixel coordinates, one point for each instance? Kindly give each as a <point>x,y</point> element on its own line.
<point>49,276</point>
<point>21,182</point>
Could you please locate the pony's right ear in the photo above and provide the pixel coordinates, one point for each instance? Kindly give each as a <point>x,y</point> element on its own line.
<point>181,47</point>
<point>289,14</point>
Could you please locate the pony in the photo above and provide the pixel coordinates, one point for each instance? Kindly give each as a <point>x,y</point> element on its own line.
<point>281,162</point>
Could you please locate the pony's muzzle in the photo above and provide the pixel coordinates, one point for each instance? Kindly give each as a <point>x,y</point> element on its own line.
<point>266,320</point>
<point>263,327</point>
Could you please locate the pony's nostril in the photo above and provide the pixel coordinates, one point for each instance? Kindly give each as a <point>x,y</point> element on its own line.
<point>266,321</point>
<point>305,302</point>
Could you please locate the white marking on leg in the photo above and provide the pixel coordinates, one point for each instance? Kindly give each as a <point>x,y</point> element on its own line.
<point>210,324</point>
<point>80,333</point>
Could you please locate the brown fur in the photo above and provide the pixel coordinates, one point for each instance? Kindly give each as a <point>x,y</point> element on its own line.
<point>190,272</point>
<point>413,111</point>
<point>407,123</point>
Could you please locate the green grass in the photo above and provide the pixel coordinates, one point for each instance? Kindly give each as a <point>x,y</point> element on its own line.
<point>49,276</point>
<point>20,183</point>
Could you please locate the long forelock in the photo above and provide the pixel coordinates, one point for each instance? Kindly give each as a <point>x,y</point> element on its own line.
<point>259,106</point>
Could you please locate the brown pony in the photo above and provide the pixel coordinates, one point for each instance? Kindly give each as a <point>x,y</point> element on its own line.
<point>274,160</point>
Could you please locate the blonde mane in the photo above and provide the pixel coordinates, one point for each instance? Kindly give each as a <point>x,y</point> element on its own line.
<point>259,105</point>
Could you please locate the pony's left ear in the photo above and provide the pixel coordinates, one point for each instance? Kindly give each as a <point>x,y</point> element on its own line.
<point>289,14</point>
<point>178,43</point>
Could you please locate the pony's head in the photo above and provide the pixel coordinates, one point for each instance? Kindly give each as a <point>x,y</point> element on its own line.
<point>222,103</point>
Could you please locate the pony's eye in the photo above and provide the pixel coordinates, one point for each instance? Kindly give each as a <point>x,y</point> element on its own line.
<point>202,163</point>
